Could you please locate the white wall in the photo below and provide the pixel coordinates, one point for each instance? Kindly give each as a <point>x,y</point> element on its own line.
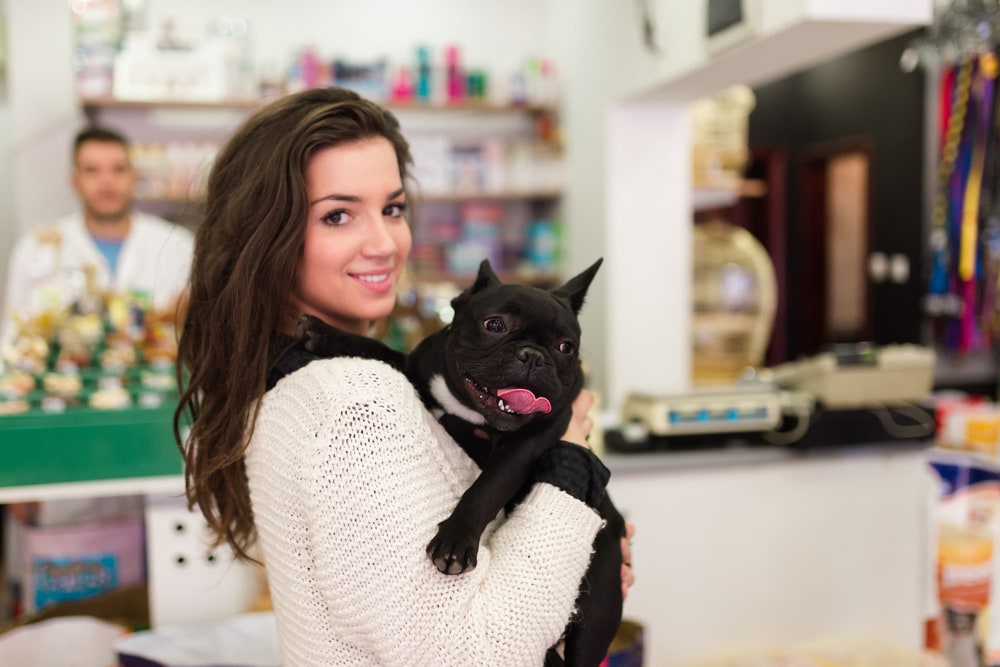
<point>8,229</point>
<point>493,34</point>
<point>44,114</point>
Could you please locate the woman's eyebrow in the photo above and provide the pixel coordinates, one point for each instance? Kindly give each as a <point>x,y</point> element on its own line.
<point>355,199</point>
<point>335,197</point>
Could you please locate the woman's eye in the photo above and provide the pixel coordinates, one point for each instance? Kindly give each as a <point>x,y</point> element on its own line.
<point>566,347</point>
<point>395,210</point>
<point>495,325</point>
<point>335,218</point>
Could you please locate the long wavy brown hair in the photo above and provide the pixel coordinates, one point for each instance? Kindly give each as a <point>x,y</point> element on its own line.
<point>247,251</point>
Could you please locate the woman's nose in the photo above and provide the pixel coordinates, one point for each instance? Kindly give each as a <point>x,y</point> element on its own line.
<point>379,241</point>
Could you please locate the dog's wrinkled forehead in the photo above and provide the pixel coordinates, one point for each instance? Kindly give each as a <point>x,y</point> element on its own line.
<point>529,306</point>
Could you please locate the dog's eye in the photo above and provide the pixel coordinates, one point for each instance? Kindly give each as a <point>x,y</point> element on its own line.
<point>566,347</point>
<point>495,325</point>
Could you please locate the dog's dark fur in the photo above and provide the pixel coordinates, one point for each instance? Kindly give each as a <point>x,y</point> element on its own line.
<point>504,336</point>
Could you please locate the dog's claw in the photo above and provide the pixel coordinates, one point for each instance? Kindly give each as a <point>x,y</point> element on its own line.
<point>452,555</point>
<point>448,565</point>
<point>452,561</point>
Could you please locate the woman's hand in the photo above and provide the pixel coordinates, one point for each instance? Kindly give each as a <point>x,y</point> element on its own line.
<point>628,576</point>
<point>580,424</point>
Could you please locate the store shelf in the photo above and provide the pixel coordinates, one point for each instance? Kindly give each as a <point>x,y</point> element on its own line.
<point>536,278</point>
<point>253,103</point>
<point>489,195</point>
<point>421,197</point>
<point>114,103</point>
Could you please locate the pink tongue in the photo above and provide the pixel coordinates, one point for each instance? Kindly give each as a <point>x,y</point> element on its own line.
<point>523,401</point>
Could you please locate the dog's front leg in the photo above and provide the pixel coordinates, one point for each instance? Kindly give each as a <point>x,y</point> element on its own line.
<point>599,605</point>
<point>456,544</point>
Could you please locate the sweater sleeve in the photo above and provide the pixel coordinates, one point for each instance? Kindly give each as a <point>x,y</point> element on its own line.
<point>380,475</point>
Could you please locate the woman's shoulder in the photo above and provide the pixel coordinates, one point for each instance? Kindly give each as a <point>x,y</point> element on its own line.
<point>344,378</point>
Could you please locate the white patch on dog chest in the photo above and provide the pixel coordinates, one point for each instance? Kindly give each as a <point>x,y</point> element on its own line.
<point>451,405</point>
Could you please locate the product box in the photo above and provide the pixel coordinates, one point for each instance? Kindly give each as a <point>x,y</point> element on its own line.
<point>67,563</point>
<point>966,525</point>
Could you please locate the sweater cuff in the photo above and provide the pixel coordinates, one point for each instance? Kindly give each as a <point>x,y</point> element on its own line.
<point>574,469</point>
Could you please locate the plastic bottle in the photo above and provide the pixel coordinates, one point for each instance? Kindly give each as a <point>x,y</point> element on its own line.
<point>423,83</point>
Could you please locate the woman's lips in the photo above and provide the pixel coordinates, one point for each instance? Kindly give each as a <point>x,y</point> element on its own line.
<point>377,282</point>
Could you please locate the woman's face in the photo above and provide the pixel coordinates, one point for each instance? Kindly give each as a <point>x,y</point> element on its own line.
<point>357,238</point>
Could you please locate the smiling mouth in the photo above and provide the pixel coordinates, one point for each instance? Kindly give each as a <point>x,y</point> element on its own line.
<point>487,399</point>
<point>516,401</point>
<point>373,278</point>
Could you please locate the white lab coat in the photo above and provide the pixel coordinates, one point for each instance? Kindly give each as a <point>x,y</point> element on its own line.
<point>155,258</point>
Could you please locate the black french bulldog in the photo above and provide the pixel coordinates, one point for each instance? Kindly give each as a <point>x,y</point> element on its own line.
<point>506,368</point>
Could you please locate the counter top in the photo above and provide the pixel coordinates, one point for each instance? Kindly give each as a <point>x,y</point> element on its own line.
<point>85,452</point>
<point>88,453</point>
<point>743,454</point>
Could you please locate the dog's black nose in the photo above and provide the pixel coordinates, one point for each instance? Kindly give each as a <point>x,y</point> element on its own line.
<point>530,356</point>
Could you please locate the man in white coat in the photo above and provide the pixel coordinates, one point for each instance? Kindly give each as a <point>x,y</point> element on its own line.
<point>106,246</point>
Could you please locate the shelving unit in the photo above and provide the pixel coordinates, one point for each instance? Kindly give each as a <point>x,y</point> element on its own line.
<point>540,195</point>
<point>90,104</point>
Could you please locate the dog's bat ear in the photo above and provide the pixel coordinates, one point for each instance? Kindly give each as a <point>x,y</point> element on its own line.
<point>575,289</point>
<point>485,278</point>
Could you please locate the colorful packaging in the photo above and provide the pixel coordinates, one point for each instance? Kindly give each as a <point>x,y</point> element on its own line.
<point>967,525</point>
<point>80,561</point>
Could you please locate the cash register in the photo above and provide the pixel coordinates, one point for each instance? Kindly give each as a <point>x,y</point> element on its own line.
<point>848,394</point>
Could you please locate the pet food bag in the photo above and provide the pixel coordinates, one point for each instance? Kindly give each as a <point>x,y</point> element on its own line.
<point>74,562</point>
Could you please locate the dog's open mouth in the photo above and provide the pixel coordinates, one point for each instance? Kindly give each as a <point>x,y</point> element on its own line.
<point>511,400</point>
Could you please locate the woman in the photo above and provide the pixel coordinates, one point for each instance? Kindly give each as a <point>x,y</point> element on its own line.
<point>338,469</point>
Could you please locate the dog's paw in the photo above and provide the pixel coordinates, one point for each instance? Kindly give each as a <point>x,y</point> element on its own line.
<point>453,550</point>
<point>306,332</point>
<point>301,327</point>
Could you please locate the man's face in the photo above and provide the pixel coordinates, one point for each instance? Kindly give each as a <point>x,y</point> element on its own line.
<point>104,178</point>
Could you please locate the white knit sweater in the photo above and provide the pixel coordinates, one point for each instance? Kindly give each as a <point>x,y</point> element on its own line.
<point>349,476</point>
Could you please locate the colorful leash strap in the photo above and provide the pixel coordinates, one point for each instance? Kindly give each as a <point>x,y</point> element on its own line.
<point>964,239</point>
<point>956,83</point>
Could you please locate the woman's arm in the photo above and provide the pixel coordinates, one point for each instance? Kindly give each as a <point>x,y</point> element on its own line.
<point>385,473</point>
